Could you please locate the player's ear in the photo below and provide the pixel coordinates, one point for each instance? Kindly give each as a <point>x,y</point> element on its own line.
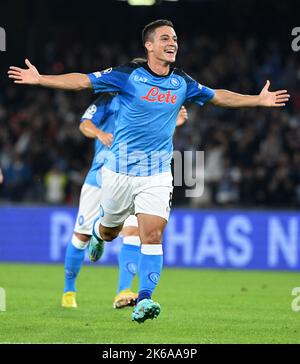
<point>149,46</point>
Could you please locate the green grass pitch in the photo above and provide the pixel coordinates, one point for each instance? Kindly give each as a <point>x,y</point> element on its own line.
<point>198,306</point>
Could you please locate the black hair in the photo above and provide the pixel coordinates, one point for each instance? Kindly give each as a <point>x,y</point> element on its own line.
<point>150,28</point>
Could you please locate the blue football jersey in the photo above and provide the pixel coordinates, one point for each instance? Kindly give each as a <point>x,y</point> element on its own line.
<point>149,106</point>
<point>103,114</point>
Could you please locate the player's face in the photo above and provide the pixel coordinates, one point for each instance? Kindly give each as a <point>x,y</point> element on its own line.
<point>163,44</point>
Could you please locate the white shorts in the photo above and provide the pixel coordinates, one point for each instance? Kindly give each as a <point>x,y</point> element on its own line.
<point>88,211</point>
<point>89,204</point>
<point>124,195</point>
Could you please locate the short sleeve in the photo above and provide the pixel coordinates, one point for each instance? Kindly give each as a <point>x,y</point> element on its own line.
<point>198,93</point>
<point>111,79</point>
<point>98,110</point>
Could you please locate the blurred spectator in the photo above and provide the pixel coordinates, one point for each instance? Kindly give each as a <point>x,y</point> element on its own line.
<point>55,183</point>
<point>17,179</point>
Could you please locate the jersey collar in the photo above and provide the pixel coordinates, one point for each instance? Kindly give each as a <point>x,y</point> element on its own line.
<point>145,65</point>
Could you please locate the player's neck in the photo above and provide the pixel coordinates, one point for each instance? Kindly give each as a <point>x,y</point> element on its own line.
<point>159,68</point>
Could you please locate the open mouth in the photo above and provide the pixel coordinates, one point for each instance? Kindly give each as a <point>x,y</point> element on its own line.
<point>170,51</point>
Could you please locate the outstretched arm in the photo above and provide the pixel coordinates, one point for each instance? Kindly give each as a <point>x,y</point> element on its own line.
<point>88,129</point>
<point>266,98</point>
<point>31,76</point>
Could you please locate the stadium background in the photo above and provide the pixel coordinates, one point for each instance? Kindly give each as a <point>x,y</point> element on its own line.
<point>247,217</point>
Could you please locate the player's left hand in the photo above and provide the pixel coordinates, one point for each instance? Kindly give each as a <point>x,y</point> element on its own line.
<point>271,99</point>
<point>182,116</point>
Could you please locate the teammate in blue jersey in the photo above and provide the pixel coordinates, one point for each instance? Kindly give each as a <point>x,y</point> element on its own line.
<point>136,178</point>
<point>98,122</point>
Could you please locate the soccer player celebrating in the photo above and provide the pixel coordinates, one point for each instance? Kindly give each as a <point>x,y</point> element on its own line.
<point>136,178</point>
<point>98,122</point>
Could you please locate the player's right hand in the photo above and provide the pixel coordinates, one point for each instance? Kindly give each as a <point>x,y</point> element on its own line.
<point>29,76</point>
<point>105,138</point>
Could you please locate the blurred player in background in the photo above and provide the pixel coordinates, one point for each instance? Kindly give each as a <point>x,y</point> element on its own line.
<point>150,97</point>
<point>98,122</point>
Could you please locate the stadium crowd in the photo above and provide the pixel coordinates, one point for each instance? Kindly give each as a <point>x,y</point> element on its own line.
<point>252,156</point>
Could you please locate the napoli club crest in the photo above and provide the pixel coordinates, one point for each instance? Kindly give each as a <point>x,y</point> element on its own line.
<point>175,82</point>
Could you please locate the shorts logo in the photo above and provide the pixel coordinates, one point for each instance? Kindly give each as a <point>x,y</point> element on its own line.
<point>175,82</point>
<point>154,277</point>
<point>132,268</point>
<point>101,211</point>
<point>81,220</point>
<point>97,74</point>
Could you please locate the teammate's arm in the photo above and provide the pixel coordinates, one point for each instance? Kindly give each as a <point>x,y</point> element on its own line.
<point>31,76</point>
<point>266,98</point>
<point>88,129</point>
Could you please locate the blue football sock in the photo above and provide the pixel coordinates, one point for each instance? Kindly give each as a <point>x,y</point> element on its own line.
<point>129,257</point>
<point>73,261</point>
<point>149,270</point>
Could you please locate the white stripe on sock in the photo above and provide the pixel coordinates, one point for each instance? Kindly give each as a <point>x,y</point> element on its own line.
<point>132,240</point>
<point>152,249</point>
<point>79,244</point>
